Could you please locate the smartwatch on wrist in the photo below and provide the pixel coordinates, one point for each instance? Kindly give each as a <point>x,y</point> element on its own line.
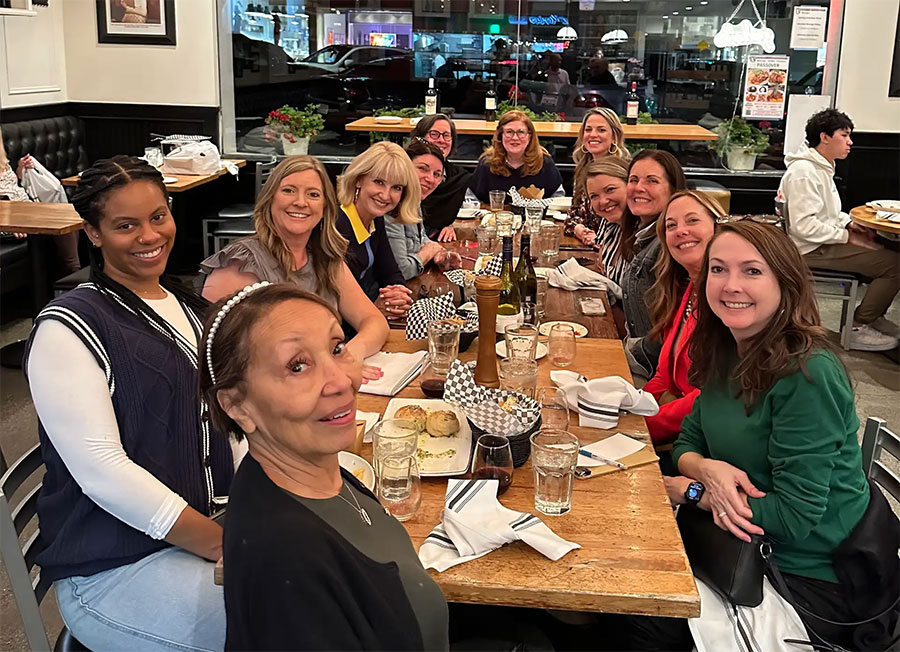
<point>694,493</point>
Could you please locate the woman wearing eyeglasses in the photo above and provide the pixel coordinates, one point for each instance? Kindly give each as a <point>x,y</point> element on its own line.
<point>515,159</point>
<point>439,209</point>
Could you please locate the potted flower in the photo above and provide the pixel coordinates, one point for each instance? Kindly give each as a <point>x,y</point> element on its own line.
<point>296,127</point>
<point>739,142</point>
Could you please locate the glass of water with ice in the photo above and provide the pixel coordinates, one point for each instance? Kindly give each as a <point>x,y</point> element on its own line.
<point>399,486</point>
<point>554,454</point>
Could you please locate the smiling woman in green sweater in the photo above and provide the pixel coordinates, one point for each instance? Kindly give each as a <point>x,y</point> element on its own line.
<point>772,437</point>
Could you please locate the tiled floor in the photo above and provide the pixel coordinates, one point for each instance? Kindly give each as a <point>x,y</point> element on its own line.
<point>876,382</point>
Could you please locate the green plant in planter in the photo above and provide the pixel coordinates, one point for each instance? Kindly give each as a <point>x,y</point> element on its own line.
<point>737,133</point>
<point>644,118</point>
<point>407,112</point>
<point>296,123</point>
<point>546,116</point>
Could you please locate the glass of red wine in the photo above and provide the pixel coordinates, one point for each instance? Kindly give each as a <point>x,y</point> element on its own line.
<point>431,381</point>
<point>492,460</point>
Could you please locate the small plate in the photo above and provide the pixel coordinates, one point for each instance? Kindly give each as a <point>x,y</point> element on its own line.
<point>560,204</point>
<point>885,205</point>
<point>388,119</point>
<point>461,442</point>
<point>539,353</point>
<point>469,213</point>
<point>556,215</point>
<point>414,121</point>
<point>580,330</point>
<point>170,179</point>
<point>358,467</point>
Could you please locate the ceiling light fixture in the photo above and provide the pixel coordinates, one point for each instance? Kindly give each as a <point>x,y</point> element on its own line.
<point>674,13</point>
<point>688,8</point>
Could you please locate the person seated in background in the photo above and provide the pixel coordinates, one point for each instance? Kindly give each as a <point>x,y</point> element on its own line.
<point>515,159</point>
<point>772,440</point>
<point>685,228</point>
<point>133,469</point>
<point>440,208</point>
<point>653,176</point>
<point>312,560</point>
<point>604,191</point>
<point>379,181</point>
<point>297,240</point>
<point>826,236</point>
<point>599,74</point>
<point>412,247</point>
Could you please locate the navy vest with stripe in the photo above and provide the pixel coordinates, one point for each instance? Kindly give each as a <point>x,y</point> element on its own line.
<point>153,385</point>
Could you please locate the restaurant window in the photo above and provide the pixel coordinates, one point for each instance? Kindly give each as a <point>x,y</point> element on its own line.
<point>562,57</point>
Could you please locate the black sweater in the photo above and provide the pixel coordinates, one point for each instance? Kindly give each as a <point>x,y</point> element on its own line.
<point>293,583</point>
<point>440,208</point>
<point>384,270</point>
<point>483,181</point>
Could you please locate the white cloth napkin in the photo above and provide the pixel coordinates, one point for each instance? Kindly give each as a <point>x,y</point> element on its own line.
<point>399,369</point>
<point>890,216</point>
<point>371,418</point>
<point>475,523</point>
<point>572,276</point>
<point>599,401</point>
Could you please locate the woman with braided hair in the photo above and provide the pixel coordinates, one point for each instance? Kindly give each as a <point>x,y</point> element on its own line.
<point>133,469</point>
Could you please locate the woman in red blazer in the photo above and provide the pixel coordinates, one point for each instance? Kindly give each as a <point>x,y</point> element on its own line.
<point>688,225</point>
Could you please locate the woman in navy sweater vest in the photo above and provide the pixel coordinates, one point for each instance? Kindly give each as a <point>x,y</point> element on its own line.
<point>133,470</point>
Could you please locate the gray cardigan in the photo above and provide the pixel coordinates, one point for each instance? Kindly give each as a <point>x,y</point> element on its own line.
<point>406,240</point>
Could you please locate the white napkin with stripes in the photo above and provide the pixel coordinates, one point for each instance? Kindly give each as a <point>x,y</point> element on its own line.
<point>572,276</point>
<point>475,523</point>
<point>599,401</point>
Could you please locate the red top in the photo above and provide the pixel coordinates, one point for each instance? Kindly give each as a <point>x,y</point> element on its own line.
<point>672,376</point>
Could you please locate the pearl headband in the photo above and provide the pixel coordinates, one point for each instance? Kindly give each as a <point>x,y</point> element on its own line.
<point>231,303</point>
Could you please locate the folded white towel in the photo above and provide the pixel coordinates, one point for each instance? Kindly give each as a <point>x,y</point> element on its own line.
<point>599,401</point>
<point>399,369</point>
<point>475,523</point>
<point>572,276</point>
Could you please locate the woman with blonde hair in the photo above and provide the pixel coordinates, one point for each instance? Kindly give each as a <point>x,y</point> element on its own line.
<point>297,241</point>
<point>515,159</point>
<point>379,181</point>
<point>601,134</point>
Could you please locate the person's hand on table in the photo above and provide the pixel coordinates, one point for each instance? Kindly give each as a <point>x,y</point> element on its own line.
<point>447,234</point>
<point>25,163</point>
<point>728,489</point>
<point>448,260</point>
<point>430,251</point>
<point>585,234</point>
<point>369,372</point>
<point>394,301</point>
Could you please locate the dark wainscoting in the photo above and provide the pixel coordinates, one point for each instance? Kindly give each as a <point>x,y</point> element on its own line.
<point>872,171</point>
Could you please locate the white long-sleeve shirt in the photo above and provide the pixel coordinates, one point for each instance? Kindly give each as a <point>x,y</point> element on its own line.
<point>72,400</point>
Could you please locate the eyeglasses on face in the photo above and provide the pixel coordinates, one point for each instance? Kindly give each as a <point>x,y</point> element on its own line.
<point>440,135</point>
<point>515,133</point>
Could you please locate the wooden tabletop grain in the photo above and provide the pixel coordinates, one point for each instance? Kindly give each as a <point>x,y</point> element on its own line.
<point>868,217</point>
<point>183,181</point>
<point>37,218</point>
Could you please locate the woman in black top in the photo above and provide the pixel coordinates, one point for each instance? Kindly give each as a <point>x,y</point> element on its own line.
<point>312,561</point>
<point>379,181</point>
<point>440,208</point>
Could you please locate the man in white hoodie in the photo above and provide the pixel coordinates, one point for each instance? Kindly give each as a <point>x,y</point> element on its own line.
<point>826,236</point>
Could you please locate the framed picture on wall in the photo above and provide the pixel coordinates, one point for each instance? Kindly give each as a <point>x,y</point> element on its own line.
<point>136,22</point>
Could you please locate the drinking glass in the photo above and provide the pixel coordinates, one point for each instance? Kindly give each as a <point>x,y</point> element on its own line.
<point>533,217</point>
<point>562,345</point>
<point>554,454</point>
<point>492,460</point>
<point>400,487</point>
<point>521,341</point>
<point>443,344</point>
<point>540,307</point>
<point>498,197</point>
<point>432,381</point>
<point>393,438</point>
<point>550,235</point>
<point>554,409</point>
<point>487,239</point>
<point>519,376</point>
<point>505,221</point>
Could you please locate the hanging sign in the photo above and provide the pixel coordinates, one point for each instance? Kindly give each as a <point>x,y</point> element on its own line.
<point>808,28</point>
<point>764,87</point>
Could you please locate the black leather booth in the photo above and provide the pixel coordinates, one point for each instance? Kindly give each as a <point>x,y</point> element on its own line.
<point>58,143</point>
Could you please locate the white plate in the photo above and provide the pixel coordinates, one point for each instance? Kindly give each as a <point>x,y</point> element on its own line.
<point>556,215</point>
<point>461,443</point>
<point>543,271</point>
<point>354,463</point>
<point>560,203</point>
<point>885,204</point>
<point>170,179</point>
<point>540,353</point>
<point>388,119</point>
<point>469,213</point>
<point>414,121</point>
<point>580,331</point>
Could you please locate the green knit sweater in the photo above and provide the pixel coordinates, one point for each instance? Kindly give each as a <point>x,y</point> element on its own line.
<point>799,445</point>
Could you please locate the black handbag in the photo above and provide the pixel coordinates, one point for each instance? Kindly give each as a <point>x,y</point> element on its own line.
<point>731,567</point>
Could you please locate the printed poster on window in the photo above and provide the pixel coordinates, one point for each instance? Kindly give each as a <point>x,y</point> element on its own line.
<point>765,87</point>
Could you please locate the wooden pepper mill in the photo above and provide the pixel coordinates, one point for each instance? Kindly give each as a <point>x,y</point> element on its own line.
<point>487,296</point>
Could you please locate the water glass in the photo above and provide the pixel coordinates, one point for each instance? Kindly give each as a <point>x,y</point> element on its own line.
<point>550,235</point>
<point>487,239</point>
<point>443,344</point>
<point>498,198</point>
<point>554,409</point>
<point>554,454</point>
<point>492,460</point>
<point>540,307</point>
<point>400,487</point>
<point>533,217</point>
<point>561,343</point>
<point>393,438</point>
<point>519,376</point>
<point>521,341</point>
<point>505,221</point>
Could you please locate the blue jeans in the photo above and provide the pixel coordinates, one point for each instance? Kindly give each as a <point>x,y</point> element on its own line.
<point>165,601</point>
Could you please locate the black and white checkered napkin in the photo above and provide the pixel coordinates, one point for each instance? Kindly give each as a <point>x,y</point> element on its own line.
<point>474,523</point>
<point>430,309</point>
<point>519,200</point>
<point>482,404</point>
<point>458,276</point>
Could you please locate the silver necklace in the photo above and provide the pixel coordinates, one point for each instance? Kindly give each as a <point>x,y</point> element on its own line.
<point>363,514</point>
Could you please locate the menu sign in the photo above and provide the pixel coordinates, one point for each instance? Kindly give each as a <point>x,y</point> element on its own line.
<point>765,87</point>
<point>808,28</point>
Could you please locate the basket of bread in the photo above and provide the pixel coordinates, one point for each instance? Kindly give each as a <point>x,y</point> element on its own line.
<point>530,197</point>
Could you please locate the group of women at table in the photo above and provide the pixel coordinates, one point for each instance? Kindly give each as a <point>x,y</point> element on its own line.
<point>759,406</point>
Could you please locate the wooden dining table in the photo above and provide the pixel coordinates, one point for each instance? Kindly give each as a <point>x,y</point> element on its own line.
<point>631,558</point>
<point>182,182</point>
<point>868,217</point>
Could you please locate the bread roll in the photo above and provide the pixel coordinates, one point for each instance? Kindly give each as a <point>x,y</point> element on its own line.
<point>414,413</point>
<point>442,423</point>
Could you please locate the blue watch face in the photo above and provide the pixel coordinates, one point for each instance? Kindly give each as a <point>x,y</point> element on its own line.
<point>694,491</point>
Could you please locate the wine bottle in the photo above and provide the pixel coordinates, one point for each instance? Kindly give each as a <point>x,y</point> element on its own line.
<point>431,99</point>
<point>509,311</point>
<point>632,104</point>
<point>490,104</point>
<point>527,281</point>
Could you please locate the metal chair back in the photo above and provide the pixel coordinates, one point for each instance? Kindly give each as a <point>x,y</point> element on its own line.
<point>879,440</point>
<point>263,170</point>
